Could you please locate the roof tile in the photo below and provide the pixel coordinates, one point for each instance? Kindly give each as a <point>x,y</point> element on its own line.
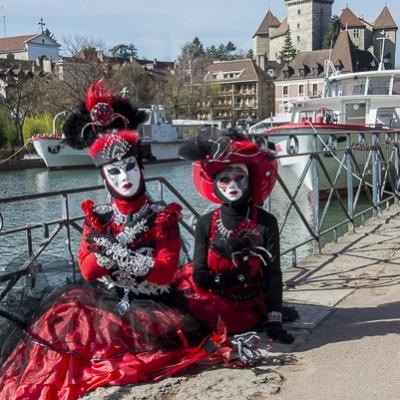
<point>385,20</point>
<point>14,43</point>
<point>269,21</point>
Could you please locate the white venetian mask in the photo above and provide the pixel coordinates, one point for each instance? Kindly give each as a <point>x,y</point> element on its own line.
<point>124,176</point>
<point>233,181</point>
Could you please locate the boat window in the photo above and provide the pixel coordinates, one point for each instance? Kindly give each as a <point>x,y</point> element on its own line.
<point>379,85</point>
<point>396,85</point>
<point>331,89</point>
<point>352,87</point>
<point>355,113</point>
<point>389,117</point>
<point>306,115</point>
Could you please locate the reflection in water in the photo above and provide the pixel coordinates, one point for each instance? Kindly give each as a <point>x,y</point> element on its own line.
<point>20,182</point>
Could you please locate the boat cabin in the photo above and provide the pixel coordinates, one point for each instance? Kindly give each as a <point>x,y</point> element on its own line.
<point>369,98</point>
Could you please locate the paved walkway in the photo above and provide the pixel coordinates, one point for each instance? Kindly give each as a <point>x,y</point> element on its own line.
<point>347,341</point>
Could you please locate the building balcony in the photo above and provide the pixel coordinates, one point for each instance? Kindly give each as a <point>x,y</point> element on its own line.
<point>246,93</point>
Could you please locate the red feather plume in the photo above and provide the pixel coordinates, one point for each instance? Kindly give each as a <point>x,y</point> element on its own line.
<point>97,93</point>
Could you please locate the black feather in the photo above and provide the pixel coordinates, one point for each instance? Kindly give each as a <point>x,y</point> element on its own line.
<point>130,112</point>
<point>72,129</point>
<point>195,150</point>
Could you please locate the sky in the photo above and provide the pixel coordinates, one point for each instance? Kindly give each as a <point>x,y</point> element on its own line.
<point>160,28</point>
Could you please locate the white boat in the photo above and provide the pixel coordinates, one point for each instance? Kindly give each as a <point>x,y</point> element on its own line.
<point>276,120</point>
<point>360,103</point>
<point>159,138</point>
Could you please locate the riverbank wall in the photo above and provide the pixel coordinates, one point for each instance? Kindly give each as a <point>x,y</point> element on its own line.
<point>26,163</point>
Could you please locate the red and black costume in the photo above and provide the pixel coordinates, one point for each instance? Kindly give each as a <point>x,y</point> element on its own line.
<point>122,327</point>
<point>236,274</point>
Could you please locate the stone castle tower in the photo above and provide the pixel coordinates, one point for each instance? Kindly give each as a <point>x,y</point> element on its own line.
<point>308,21</point>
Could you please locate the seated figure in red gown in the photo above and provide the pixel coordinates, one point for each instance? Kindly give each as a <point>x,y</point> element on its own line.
<point>236,274</point>
<point>122,327</point>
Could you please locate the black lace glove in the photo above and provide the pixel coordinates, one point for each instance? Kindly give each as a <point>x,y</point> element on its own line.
<point>92,240</point>
<point>276,332</point>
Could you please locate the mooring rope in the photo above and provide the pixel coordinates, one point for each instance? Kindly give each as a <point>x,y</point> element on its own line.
<point>13,155</point>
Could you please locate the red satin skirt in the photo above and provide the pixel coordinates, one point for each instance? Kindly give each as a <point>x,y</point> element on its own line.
<point>210,307</point>
<point>80,343</point>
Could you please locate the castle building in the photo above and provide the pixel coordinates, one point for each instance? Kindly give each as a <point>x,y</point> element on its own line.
<point>308,21</point>
<point>373,36</point>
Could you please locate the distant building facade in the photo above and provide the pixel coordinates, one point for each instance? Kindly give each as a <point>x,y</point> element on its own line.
<point>304,76</point>
<point>29,47</point>
<point>239,92</point>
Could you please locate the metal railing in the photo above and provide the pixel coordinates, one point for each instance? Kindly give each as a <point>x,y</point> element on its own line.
<point>362,163</point>
<point>343,166</point>
<point>51,229</point>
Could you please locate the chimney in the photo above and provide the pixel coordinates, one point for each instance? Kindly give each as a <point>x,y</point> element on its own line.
<point>261,61</point>
<point>46,65</point>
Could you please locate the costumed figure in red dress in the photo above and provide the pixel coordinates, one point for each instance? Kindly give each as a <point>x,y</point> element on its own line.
<point>121,328</point>
<point>236,274</point>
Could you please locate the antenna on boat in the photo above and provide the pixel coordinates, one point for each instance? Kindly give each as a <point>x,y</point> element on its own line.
<point>383,38</point>
<point>3,14</point>
<point>328,64</point>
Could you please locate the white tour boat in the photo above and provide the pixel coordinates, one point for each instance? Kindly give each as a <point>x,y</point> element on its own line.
<point>159,138</point>
<point>358,103</point>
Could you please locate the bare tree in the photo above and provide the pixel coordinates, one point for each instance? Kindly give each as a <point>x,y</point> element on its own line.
<point>141,86</point>
<point>22,88</point>
<point>72,45</point>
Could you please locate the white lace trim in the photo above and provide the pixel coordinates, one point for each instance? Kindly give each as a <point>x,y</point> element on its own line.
<point>130,233</point>
<point>144,287</point>
<point>123,219</point>
<point>127,260</point>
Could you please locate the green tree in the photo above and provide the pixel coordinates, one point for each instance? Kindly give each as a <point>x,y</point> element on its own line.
<point>49,33</point>
<point>224,52</point>
<point>332,33</point>
<point>22,88</point>
<point>193,61</point>
<point>124,50</point>
<point>8,133</point>
<point>288,52</point>
<point>250,54</point>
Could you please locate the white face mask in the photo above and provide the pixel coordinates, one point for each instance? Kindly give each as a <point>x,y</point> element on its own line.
<point>124,176</point>
<point>232,182</point>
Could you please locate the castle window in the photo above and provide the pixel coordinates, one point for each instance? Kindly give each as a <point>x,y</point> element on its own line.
<point>315,71</point>
<point>298,12</point>
<point>285,90</point>
<point>286,74</point>
<point>315,89</point>
<point>301,73</point>
<point>301,90</point>
<point>356,33</point>
<point>298,39</point>
<point>298,26</point>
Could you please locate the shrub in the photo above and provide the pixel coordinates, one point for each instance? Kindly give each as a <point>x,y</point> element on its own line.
<point>37,125</point>
<point>8,132</point>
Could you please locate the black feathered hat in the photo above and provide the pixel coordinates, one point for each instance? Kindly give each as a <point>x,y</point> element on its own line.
<point>102,113</point>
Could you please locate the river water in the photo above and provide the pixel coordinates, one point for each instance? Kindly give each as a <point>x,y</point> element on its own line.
<point>19,182</point>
